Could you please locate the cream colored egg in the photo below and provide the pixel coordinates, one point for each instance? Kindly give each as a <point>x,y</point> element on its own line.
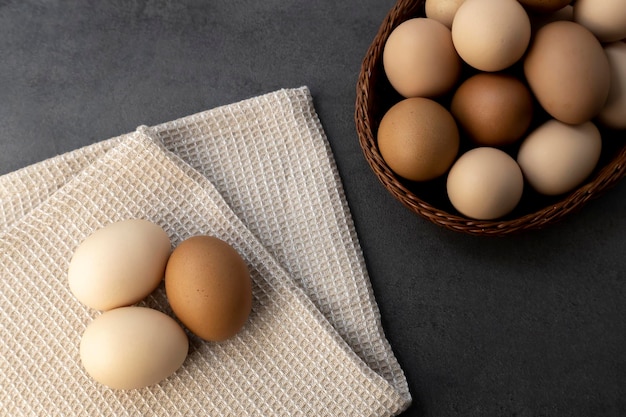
<point>119,264</point>
<point>485,183</point>
<point>133,347</point>
<point>605,18</point>
<point>556,157</point>
<point>491,35</point>
<point>442,10</point>
<point>420,60</point>
<point>613,115</point>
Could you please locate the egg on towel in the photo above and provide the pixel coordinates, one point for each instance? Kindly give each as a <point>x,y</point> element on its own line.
<point>133,347</point>
<point>119,264</point>
<point>209,288</point>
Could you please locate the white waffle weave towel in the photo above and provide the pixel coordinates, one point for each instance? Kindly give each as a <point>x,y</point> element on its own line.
<point>260,175</point>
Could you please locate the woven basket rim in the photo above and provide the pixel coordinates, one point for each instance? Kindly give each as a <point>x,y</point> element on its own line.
<point>603,179</point>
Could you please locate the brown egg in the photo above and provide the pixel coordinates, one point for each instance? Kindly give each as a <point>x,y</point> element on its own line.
<point>209,288</point>
<point>544,6</point>
<point>568,72</point>
<point>493,109</point>
<point>420,60</point>
<point>418,139</point>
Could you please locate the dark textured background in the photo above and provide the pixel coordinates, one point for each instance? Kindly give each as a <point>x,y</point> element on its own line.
<point>529,325</point>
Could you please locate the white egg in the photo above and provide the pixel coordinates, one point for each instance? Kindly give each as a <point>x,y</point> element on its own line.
<point>133,347</point>
<point>119,264</point>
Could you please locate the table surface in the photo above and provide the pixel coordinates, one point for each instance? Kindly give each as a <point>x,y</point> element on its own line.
<point>528,325</point>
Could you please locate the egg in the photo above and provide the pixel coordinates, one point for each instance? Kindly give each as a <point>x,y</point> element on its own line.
<point>556,157</point>
<point>209,288</point>
<point>418,139</point>
<point>419,58</point>
<point>493,109</point>
<point>491,35</point>
<point>485,183</point>
<point>605,18</point>
<point>133,347</point>
<point>568,72</point>
<point>442,10</point>
<point>613,114</point>
<point>119,264</point>
<point>545,6</point>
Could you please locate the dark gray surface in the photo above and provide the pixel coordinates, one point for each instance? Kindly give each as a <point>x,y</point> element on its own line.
<point>520,326</point>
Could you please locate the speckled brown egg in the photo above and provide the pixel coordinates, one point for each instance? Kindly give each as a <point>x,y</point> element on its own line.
<point>209,288</point>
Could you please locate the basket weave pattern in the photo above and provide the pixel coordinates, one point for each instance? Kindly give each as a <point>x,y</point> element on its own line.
<point>374,96</point>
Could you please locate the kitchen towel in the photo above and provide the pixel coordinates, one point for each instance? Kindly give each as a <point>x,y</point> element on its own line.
<point>259,174</point>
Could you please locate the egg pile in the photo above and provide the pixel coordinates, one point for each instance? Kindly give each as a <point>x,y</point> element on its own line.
<point>499,95</point>
<point>207,284</point>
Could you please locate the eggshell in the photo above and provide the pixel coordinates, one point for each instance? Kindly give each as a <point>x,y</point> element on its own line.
<point>545,6</point>
<point>119,264</point>
<point>485,183</point>
<point>557,157</point>
<point>442,10</point>
<point>605,18</point>
<point>209,288</point>
<point>418,139</point>
<point>493,109</point>
<point>420,60</point>
<point>132,347</point>
<point>568,72</point>
<point>613,114</point>
<point>491,35</point>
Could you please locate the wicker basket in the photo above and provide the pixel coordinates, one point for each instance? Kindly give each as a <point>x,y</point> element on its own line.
<point>374,96</point>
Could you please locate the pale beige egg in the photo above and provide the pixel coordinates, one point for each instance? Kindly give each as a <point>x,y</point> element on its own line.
<point>556,157</point>
<point>442,10</point>
<point>485,183</point>
<point>133,347</point>
<point>605,18</point>
<point>491,35</point>
<point>613,114</point>
<point>119,264</point>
